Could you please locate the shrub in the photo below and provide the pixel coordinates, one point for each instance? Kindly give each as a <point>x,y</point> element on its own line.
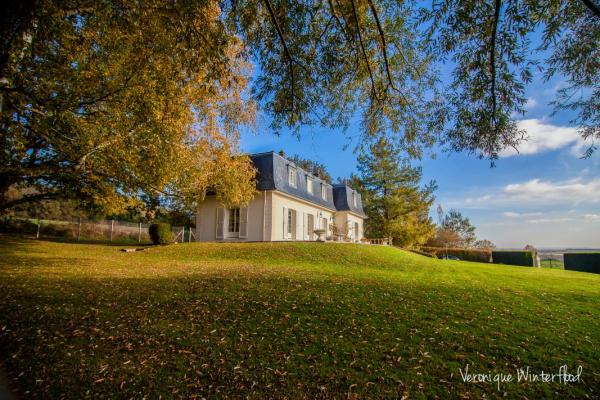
<point>524,258</point>
<point>475,255</point>
<point>421,253</point>
<point>160,233</point>
<point>584,262</point>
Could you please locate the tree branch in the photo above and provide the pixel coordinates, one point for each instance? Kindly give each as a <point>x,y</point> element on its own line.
<point>28,199</point>
<point>593,7</point>
<point>363,49</point>
<point>285,50</point>
<point>497,6</point>
<point>383,43</point>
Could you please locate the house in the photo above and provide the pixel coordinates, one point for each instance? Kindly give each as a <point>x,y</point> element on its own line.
<point>290,205</point>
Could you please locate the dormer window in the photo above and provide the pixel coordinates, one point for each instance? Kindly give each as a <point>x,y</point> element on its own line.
<point>354,201</point>
<point>323,191</point>
<point>309,185</point>
<point>292,176</point>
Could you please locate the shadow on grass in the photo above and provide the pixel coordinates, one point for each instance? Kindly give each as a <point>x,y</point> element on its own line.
<point>16,238</point>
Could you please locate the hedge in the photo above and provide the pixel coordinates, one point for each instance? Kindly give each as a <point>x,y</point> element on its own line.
<point>584,262</point>
<point>483,256</point>
<point>524,258</point>
<point>160,233</point>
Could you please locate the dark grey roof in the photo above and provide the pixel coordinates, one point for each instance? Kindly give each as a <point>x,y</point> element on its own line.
<point>272,174</point>
<point>343,198</point>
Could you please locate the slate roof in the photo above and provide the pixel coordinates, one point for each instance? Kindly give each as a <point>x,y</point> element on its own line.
<point>343,198</point>
<point>272,174</point>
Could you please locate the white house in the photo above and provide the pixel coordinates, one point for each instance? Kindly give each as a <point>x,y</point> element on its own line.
<point>290,205</point>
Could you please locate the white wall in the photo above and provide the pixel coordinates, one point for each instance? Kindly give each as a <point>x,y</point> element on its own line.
<point>206,219</point>
<point>302,208</point>
<point>270,205</point>
<point>346,220</point>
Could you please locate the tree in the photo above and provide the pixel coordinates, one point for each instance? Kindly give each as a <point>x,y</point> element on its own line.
<point>394,201</point>
<point>444,238</point>
<point>484,244</point>
<point>490,47</point>
<point>314,167</point>
<point>108,101</point>
<point>455,222</point>
<point>105,100</point>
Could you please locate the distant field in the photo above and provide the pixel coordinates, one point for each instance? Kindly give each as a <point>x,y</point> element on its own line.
<point>297,320</point>
<point>552,263</point>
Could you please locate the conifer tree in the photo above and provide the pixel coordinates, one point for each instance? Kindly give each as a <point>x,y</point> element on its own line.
<point>394,200</point>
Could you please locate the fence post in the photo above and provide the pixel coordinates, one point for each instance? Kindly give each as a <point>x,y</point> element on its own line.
<point>190,235</point>
<point>140,233</point>
<point>37,235</point>
<point>79,229</point>
<point>112,226</point>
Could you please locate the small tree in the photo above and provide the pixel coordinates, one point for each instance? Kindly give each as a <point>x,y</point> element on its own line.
<point>484,245</point>
<point>454,221</point>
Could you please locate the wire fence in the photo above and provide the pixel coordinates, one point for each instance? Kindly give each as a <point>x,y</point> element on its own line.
<point>89,230</point>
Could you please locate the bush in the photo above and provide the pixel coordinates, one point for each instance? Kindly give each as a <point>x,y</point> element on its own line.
<point>584,262</point>
<point>419,252</point>
<point>524,258</point>
<point>160,233</point>
<point>483,256</point>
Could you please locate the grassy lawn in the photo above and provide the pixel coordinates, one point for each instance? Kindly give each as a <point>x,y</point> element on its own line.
<point>286,321</point>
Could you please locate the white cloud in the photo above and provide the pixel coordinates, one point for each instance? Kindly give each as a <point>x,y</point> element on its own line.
<point>592,217</point>
<point>535,192</point>
<point>548,220</point>
<point>573,191</point>
<point>543,137</point>
<point>512,214</point>
<point>531,103</point>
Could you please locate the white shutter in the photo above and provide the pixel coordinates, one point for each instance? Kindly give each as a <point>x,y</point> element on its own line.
<point>304,226</point>
<point>285,223</point>
<point>219,223</point>
<point>299,234</point>
<point>244,223</point>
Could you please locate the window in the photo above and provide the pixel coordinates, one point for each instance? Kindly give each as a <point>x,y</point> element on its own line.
<point>354,201</point>
<point>309,185</point>
<point>290,217</point>
<point>292,176</point>
<point>234,220</point>
<point>323,191</point>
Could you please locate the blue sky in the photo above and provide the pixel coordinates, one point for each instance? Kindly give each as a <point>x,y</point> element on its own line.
<point>546,195</point>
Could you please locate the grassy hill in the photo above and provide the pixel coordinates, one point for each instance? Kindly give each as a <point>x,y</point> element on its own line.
<point>297,320</point>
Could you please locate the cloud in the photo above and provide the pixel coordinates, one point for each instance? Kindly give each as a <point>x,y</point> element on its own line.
<point>592,217</point>
<point>548,220</point>
<point>542,137</point>
<point>531,103</point>
<point>535,192</point>
<point>574,191</point>
<point>512,214</point>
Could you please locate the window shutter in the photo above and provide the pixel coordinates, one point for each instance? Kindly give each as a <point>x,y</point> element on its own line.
<point>285,223</point>
<point>244,223</point>
<point>219,223</point>
<point>299,234</point>
<point>304,226</point>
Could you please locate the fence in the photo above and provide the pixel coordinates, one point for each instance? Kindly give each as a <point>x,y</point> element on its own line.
<point>89,230</point>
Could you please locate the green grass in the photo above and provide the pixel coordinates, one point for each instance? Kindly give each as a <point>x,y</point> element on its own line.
<point>285,321</point>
